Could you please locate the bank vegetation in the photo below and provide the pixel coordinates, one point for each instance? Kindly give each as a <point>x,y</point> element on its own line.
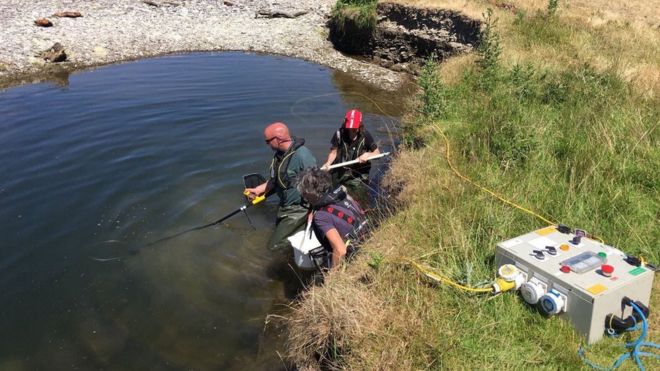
<point>557,112</point>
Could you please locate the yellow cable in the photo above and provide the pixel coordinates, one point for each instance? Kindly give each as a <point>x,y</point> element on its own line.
<point>510,203</point>
<point>440,278</point>
<point>596,238</point>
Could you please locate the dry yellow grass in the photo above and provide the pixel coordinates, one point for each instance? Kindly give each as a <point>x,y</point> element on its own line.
<point>452,68</point>
<point>470,8</point>
<point>621,36</point>
<point>597,12</point>
<point>328,316</point>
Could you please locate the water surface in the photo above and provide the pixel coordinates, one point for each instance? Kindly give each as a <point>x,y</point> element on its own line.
<point>110,159</point>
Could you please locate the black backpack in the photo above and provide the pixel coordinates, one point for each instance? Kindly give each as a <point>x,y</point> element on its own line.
<point>320,255</point>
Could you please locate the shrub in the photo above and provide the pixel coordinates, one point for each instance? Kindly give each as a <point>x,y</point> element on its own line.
<point>489,50</point>
<point>434,100</point>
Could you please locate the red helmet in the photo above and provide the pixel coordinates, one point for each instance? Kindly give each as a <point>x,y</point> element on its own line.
<point>353,119</point>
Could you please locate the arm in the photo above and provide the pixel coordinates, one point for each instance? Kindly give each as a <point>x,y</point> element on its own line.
<point>331,158</point>
<point>363,157</point>
<point>256,191</point>
<point>338,246</point>
<point>371,146</point>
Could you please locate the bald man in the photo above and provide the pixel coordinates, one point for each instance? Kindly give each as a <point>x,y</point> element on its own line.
<point>291,157</point>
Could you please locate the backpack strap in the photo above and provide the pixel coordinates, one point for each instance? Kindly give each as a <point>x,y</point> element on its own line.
<point>278,170</point>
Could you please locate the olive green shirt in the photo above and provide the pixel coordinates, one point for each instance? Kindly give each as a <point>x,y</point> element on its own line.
<point>301,159</point>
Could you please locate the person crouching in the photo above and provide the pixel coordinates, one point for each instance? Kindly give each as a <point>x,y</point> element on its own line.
<point>337,219</point>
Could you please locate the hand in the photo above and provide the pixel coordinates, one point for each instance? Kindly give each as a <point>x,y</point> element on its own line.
<point>251,193</point>
<point>325,166</point>
<point>365,156</point>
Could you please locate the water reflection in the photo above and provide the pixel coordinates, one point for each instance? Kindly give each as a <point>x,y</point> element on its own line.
<point>140,151</point>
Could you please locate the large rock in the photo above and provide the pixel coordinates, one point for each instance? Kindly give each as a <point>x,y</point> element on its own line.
<point>67,14</point>
<point>54,54</point>
<point>43,22</point>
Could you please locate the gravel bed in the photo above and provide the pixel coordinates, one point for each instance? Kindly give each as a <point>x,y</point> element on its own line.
<point>111,31</point>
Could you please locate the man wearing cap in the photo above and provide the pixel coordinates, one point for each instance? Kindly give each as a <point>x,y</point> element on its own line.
<point>352,142</point>
<point>291,157</point>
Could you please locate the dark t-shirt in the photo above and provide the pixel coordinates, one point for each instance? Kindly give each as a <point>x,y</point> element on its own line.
<point>357,170</point>
<point>369,144</point>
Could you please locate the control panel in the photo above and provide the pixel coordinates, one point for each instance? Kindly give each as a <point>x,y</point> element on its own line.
<point>566,273</point>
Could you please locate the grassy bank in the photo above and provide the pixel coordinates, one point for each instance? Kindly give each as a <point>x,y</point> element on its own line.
<point>352,23</point>
<point>361,12</point>
<point>547,114</point>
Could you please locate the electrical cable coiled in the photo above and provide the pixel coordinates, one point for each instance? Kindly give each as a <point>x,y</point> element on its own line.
<point>633,349</point>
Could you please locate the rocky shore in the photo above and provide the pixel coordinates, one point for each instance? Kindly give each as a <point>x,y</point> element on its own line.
<point>109,31</point>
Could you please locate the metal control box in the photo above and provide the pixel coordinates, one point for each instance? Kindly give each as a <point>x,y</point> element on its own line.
<point>586,298</point>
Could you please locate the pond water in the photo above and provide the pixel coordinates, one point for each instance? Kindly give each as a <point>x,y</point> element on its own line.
<point>98,163</point>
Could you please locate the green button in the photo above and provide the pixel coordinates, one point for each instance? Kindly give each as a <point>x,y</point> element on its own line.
<point>637,271</point>
<point>602,255</point>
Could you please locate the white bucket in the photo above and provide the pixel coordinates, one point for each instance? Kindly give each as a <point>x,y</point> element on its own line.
<point>302,243</point>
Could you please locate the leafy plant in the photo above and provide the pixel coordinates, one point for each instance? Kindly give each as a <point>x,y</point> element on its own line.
<point>489,50</point>
<point>376,260</point>
<point>434,100</point>
<point>552,7</point>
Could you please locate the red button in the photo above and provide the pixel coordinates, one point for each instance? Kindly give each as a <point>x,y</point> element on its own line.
<point>607,269</point>
<point>565,269</point>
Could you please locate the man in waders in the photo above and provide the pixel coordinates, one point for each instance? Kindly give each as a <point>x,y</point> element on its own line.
<point>291,157</point>
<point>352,142</point>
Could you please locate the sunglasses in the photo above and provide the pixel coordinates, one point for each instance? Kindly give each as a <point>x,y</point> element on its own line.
<point>270,140</point>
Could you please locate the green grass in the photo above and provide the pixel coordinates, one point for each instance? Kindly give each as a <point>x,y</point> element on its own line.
<point>578,146</point>
<point>361,13</point>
